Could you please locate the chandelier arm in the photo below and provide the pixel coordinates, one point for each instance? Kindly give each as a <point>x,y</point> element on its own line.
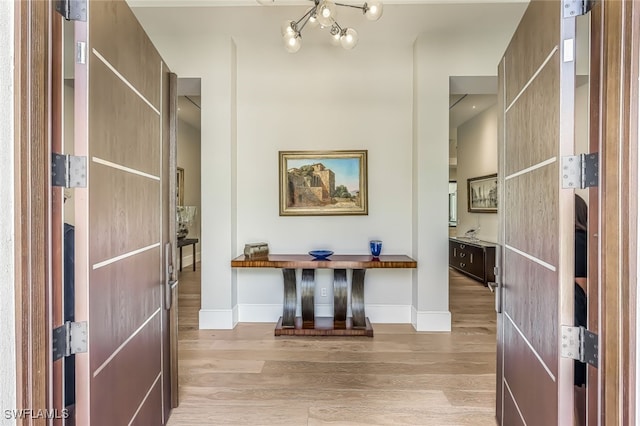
<point>305,16</point>
<point>304,23</point>
<point>362,8</point>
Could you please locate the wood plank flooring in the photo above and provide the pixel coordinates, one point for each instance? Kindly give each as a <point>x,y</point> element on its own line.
<point>247,376</point>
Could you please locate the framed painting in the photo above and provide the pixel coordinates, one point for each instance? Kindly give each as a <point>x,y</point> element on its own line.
<point>482,193</point>
<point>319,183</point>
<point>180,187</point>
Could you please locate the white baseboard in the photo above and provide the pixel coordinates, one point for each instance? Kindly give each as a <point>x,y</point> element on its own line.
<point>431,320</point>
<point>226,319</point>
<point>388,314</point>
<point>234,315</point>
<point>259,313</point>
<point>217,319</point>
<point>393,314</point>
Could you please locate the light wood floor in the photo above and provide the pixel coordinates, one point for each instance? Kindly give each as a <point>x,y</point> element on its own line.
<point>246,376</point>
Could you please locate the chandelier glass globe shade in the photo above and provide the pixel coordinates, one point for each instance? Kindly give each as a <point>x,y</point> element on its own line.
<point>326,13</point>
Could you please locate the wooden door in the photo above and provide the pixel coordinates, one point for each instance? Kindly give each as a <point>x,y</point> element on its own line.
<point>536,80</point>
<point>122,220</point>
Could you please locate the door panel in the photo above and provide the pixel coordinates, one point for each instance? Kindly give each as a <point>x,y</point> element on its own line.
<point>511,415</point>
<point>134,144</point>
<point>120,387</point>
<point>530,199</point>
<point>536,220</point>
<point>131,290</point>
<point>530,45</point>
<point>523,373</point>
<point>140,54</point>
<point>535,285</point>
<point>529,125</point>
<point>121,221</point>
<point>149,415</point>
<point>125,212</point>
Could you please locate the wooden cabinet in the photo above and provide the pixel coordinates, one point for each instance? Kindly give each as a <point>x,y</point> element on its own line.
<point>473,258</point>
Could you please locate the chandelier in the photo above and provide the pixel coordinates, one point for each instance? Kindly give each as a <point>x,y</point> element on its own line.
<point>323,13</point>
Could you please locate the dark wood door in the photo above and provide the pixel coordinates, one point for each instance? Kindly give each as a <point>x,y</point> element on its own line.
<point>122,220</point>
<point>536,93</point>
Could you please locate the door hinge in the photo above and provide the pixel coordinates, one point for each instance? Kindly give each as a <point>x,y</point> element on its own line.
<point>72,10</point>
<point>69,339</point>
<point>580,344</point>
<point>580,171</point>
<point>573,8</point>
<point>68,171</point>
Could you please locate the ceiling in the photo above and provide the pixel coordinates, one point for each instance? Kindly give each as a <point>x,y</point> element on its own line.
<point>402,22</point>
<point>463,108</point>
<point>189,110</point>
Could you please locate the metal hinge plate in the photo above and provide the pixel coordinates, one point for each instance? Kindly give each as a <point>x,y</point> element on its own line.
<point>573,8</point>
<point>580,171</point>
<point>68,171</point>
<point>69,339</point>
<point>72,10</point>
<point>580,344</point>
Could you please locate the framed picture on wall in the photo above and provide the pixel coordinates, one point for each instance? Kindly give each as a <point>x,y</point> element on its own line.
<point>319,183</point>
<point>180,187</point>
<point>482,194</point>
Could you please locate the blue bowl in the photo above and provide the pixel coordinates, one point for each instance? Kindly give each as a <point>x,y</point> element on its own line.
<point>320,254</point>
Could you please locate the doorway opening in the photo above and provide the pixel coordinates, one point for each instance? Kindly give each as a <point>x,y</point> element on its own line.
<point>188,175</point>
<point>188,217</point>
<point>473,233</point>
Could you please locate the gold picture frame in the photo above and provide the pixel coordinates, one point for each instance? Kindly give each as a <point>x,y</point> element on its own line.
<point>180,187</point>
<point>323,183</point>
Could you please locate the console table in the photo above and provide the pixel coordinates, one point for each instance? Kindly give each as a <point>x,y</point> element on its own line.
<point>188,242</point>
<point>308,324</point>
<point>474,258</point>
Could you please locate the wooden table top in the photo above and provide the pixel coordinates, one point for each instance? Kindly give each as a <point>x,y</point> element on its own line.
<point>187,241</point>
<point>335,261</point>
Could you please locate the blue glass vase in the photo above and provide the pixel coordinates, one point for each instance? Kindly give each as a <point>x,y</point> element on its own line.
<point>376,247</point>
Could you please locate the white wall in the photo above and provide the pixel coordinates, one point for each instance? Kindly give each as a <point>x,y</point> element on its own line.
<point>189,160</point>
<point>355,101</point>
<point>7,232</point>
<point>437,58</point>
<point>390,98</point>
<point>477,156</point>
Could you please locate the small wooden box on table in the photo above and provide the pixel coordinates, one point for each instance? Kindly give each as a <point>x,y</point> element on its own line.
<point>338,325</point>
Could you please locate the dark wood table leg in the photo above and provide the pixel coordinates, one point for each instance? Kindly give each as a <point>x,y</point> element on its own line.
<point>290,299</point>
<point>357,298</point>
<point>307,289</point>
<point>180,258</point>
<point>194,256</point>
<point>339,298</point>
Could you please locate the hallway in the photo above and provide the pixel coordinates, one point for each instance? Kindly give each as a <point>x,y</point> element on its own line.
<point>246,376</point>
